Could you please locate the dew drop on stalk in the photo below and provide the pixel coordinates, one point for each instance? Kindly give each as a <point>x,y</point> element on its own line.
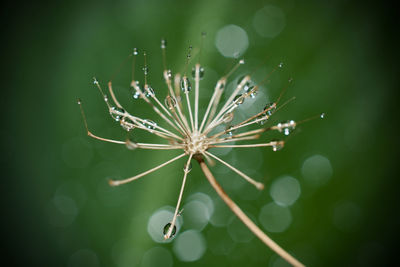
<point>127,124</point>
<point>131,144</point>
<point>286,127</point>
<point>270,109</point>
<point>149,124</point>
<point>201,73</point>
<point>186,86</point>
<point>280,65</point>
<point>277,145</point>
<point>322,116</point>
<point>229,130</point>
<point>149,91</point>
<point>166,229</point>
<point>115,113</point>
<point>189,168</point>
<point>135,51</point>
<point>170,102</point>
<point>163,43</point>
<point>169,74</point>
<point>145,70</point>
<point>238,100</point>
<point>228,117</point>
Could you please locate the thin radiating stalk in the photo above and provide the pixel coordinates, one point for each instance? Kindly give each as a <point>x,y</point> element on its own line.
<point>244,218</point>
<point>186,171</point>
<point>119,182</point>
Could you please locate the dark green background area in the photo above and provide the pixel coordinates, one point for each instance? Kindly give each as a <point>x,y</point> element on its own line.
<point>343,58</point>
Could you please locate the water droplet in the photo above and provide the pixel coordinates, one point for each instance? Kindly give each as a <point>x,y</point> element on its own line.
<point>163,44</point>
<point>277,145</point>
<point>149,124</point>
<point>145,70</point>
<point>117,113</point>
<point>135,51</point>
<point>136,95</point>
<point>79,101</point>
<point>270,109</point>
<point>280,65</point>
<point>228,117</point>
<point>185,84</point>
<point>127,124</point>
<point>286,127</point>
<point>229,130</point>
<point>131,144</point>
<point>247,85</point>
<point>170,102</point>
<point>262,119</point>
<point>201,73</point>
<point>95,81</point>
<point>149,91</point>
<point>166,230</point>
<point>238,100</point>
<point>189,168</point>
<point>253,91</point>
<point>105,98</point>
<point>169,74</point>
<point>221,86</point>
<point>322,115</point>
<point>241,61</point>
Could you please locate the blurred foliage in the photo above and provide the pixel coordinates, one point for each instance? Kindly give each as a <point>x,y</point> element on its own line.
<point>340,55</point>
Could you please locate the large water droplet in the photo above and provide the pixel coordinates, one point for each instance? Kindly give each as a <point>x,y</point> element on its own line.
<point>201,73</point>
<point>185,84</point>
<point>277,145</point>
<point>189,168</point>
<point>117,113</point>
<point>286,127</point>
<point>228,117</point>
<point>238,100</point>
<point>166,230</point>
<point>170,102</point>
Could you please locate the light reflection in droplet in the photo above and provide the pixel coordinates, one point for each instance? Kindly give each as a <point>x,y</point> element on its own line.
<point>285,191</point>
<point>156,257</point>
<point>316,170</point>
<point>275,218</point>
<point>190,246</point>
<point>269,21</point>
<point>231,41</point>
<point>157,222</point>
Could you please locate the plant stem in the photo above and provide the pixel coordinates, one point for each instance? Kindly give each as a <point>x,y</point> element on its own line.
<point>243,217</point>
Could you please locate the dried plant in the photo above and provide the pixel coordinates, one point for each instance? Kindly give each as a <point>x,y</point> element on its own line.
<point>194,135</point>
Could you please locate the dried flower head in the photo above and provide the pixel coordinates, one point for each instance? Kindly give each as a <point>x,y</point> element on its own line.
<point>193,134</point>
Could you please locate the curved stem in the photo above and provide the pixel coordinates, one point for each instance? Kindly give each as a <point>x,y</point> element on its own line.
<point>243,217</point>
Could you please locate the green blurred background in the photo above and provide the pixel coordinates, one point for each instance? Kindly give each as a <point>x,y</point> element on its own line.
<point>57,207</point>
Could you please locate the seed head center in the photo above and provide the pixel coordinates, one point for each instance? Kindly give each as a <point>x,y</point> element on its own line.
<point>195,144</point>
